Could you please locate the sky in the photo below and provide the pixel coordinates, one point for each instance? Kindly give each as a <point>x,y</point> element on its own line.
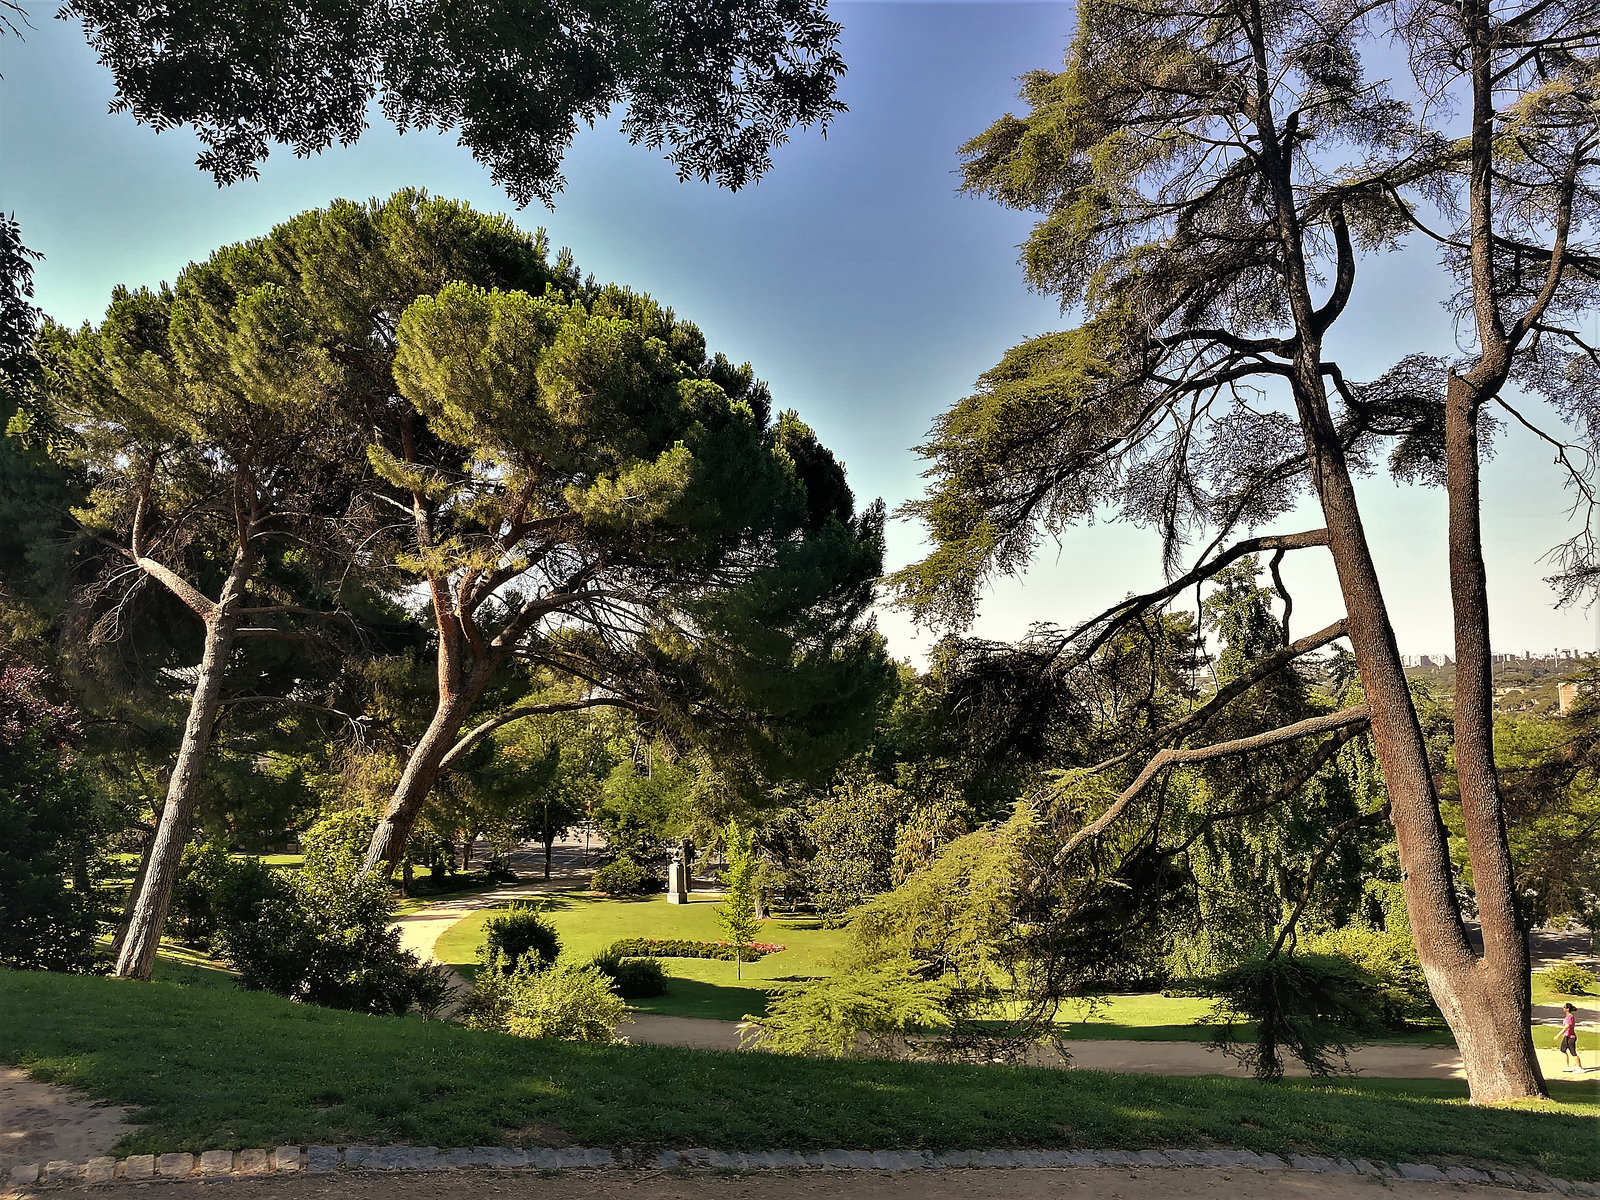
<point>862,286</point>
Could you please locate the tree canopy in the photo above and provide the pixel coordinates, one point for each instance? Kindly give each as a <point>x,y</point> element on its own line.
<point>718,84</point>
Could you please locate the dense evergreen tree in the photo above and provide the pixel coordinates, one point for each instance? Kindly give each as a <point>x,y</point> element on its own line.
<point>717,83</point>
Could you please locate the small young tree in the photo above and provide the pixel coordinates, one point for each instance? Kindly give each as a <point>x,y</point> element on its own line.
<point>737,912</point>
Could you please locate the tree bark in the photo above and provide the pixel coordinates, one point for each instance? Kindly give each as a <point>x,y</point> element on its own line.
<point>137,957</point>
<point>422,771</point>
<point>149,840</point>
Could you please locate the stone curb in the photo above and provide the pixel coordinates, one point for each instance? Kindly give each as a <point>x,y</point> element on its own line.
<point>315,1160</point>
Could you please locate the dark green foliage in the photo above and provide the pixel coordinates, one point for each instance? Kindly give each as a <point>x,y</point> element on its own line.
<point>522,931</point>
<point>324,938</point>
<point>684,948</point>
<point>624,877</point>
<point>50,826</point>
<point>633,978</point>
<point>215,890</point>
<point>716,83</point>
<point>36,494</point>
<point>853,827</point>
<point>1313,1006</point>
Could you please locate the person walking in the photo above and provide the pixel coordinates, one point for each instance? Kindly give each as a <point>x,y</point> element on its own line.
<point>1569,1039</point>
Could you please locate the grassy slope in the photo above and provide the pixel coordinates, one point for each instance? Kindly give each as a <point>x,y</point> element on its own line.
<point>211,1067</point>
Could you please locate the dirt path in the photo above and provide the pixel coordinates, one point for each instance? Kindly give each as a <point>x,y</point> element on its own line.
<point>971,1184</point>
<point>1129,1057</point>
<point>40,1122</point>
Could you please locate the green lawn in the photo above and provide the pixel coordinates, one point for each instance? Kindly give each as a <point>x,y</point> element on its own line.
<point>700,987</point>
<point>211,1067</point>
<point>705,988</point>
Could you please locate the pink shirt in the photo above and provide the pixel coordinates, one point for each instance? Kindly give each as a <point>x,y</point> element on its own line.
<point>1570,1029</point>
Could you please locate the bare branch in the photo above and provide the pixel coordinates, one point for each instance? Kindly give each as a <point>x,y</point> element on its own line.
<point>1327,723</point>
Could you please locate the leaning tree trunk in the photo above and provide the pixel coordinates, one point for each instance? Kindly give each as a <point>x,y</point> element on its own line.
<point>421,772</point>
<point>1484,1000</point>
<point>137,956</point>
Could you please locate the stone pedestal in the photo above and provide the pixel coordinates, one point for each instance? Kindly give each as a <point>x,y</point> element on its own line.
<point>677,880</point>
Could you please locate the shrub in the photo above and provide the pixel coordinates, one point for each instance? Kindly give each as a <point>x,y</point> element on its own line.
<point>634,978</point>
<point>323,937</point>
<point>1312,1005</point>
<point>520,930</point>
<point>624,877</point>
<point>575,1004</point>
<point>855,1013</point>
<point>50,825</point>
<point>214,890</point>
<point>1399,990</point>
<point>684,948</point>
<point>1569,979</point>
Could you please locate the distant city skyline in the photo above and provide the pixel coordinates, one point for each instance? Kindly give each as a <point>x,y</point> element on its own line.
<point>855,279</point>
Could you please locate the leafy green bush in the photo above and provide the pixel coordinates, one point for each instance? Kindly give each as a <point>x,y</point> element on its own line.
<point>521,930</point>
<point>214,890</point>
<point>574,1004</point>
<point>1398,988</point>
<point>855,1012</point>
<point>324,937</point>
<point>1569,979</point>
<point>1312,1005</point>
<point>685,948</point>
<point>634,978</point>
<point>624,877</point>
<point>50,825</point>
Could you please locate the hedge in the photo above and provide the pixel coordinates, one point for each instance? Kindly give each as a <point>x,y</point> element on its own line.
<point>685,948</point>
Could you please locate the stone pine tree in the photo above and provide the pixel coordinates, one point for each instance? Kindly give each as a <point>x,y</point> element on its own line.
<point>1208,179</point>
<point>603,501</point>
<point>717,83</point>
<point>204,415</point>
<point>584,495</point>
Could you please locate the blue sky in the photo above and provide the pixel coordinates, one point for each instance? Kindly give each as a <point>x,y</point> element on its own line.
<point>862,287</point>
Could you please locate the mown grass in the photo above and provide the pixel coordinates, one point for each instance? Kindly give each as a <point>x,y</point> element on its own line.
<point>208,1067</point>
<point>708,989</point>
<point>699,987</point>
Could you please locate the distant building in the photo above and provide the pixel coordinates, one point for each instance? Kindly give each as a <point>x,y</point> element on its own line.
<point>1567,695</point>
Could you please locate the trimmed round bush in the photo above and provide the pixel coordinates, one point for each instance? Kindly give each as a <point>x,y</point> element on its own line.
<point>634,978</point>
<point>624,877</point>
<point>522,929</point>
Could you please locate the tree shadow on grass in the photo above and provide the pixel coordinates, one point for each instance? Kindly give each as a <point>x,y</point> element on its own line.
<point>696,998</point>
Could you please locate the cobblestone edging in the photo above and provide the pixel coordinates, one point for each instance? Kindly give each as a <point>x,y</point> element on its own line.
<point>314,1160</point>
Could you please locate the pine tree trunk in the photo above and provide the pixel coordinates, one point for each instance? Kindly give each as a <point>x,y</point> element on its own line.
<point>417,780</point>
<point>1484,1000</point>
<point>133,894</point>
<point>137,956</point>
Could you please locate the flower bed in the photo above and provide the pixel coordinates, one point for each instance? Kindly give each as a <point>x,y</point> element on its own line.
<point>685,948</point>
